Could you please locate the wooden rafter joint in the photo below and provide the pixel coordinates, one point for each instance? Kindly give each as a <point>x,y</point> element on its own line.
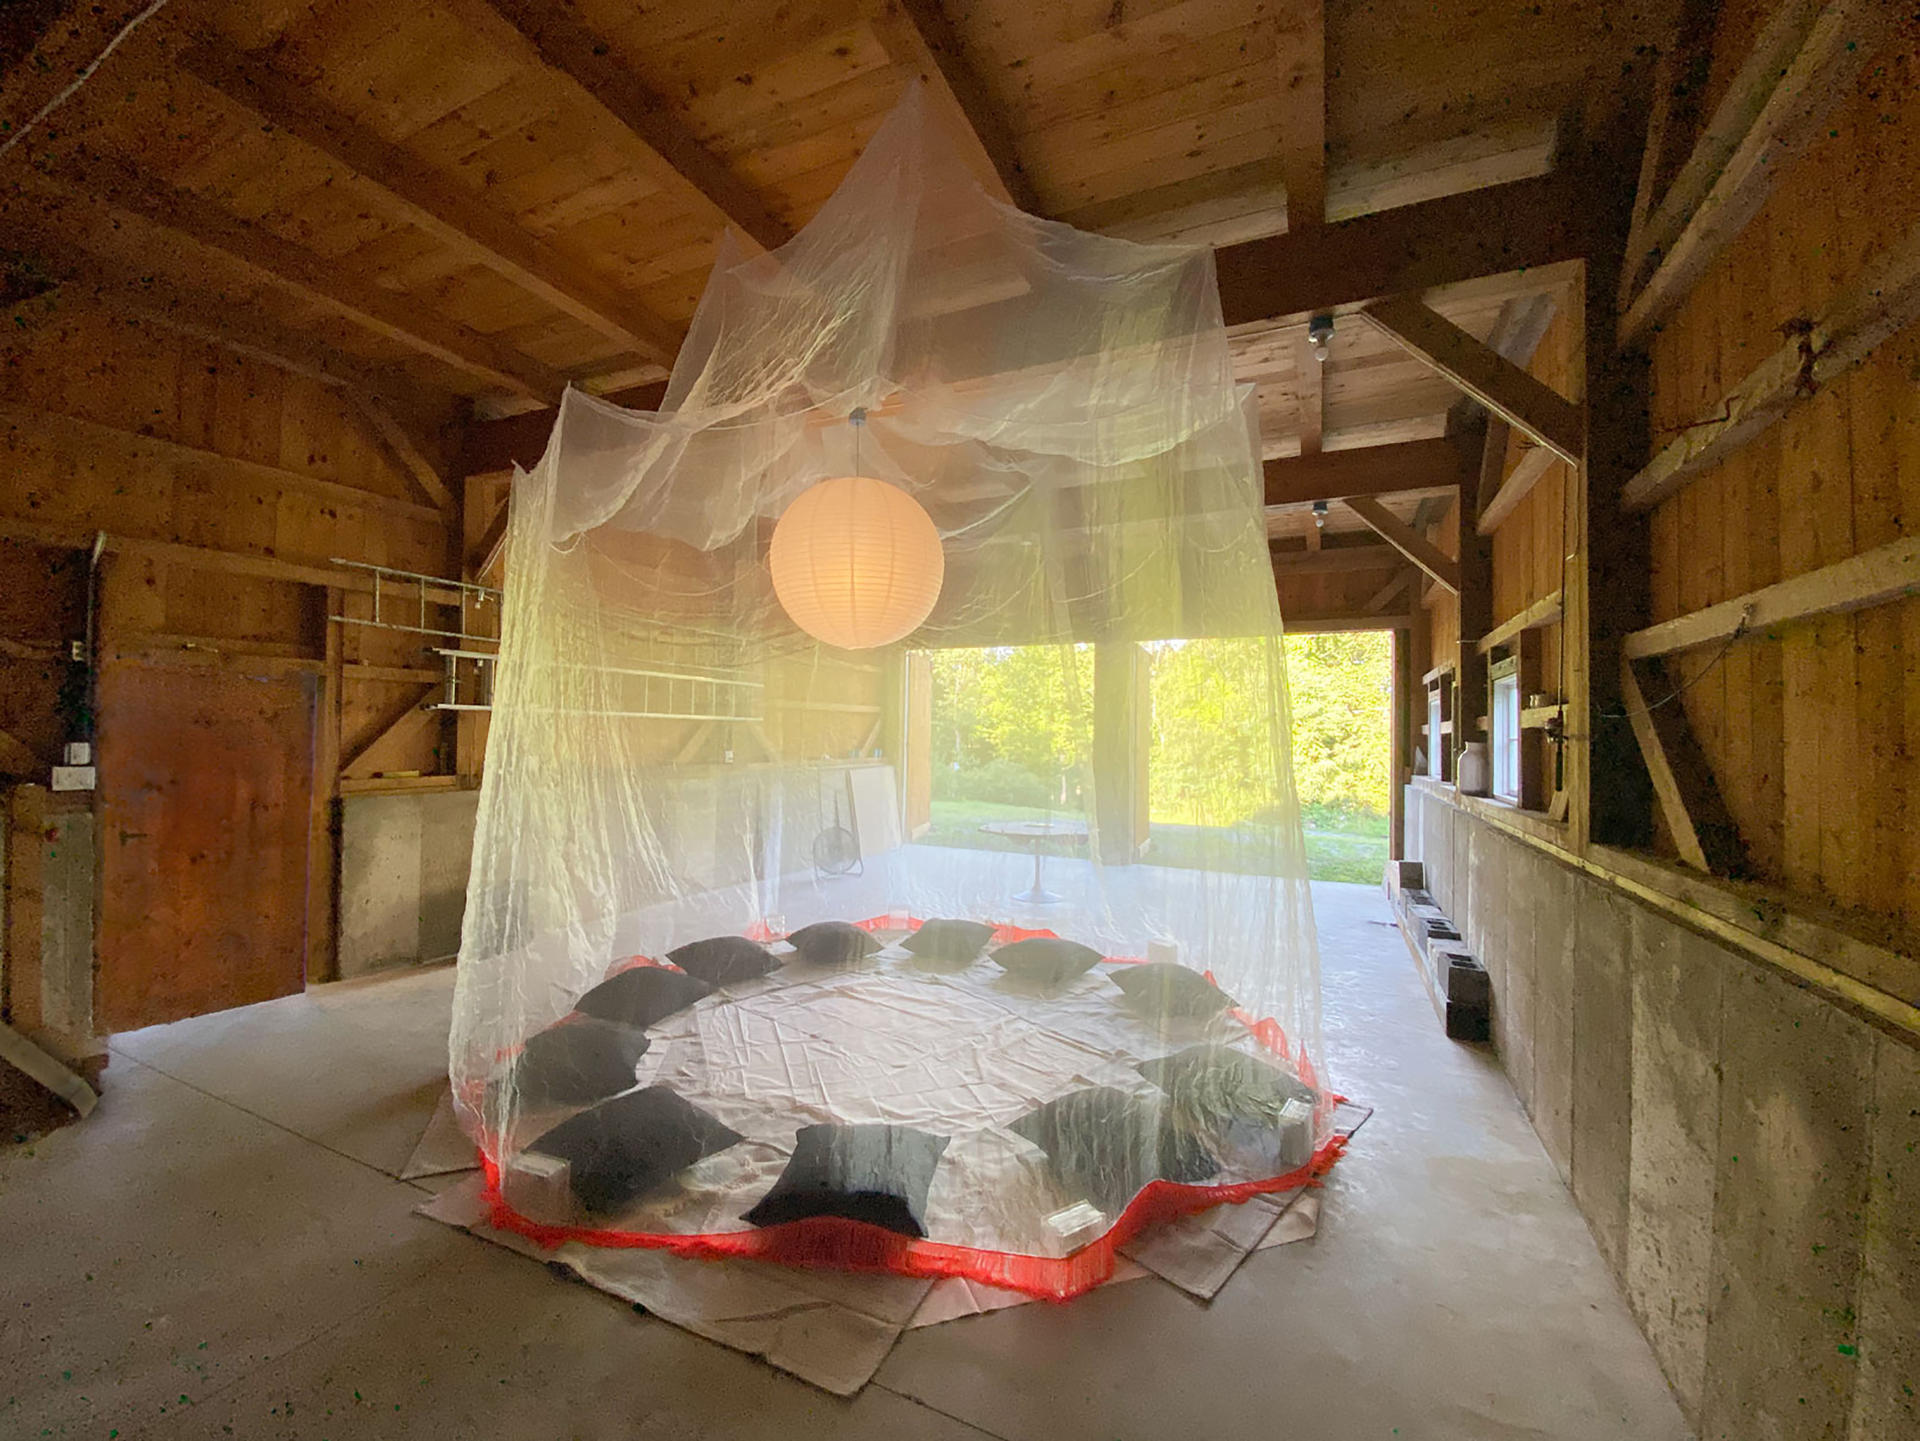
<point>1524,402</point>
<point>1444,569</point>
<point>1683,785</point>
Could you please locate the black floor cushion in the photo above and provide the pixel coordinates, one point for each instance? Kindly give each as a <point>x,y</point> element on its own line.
<point>832,943</point>
<point>577,1062</point>
<point>1242,1099</point>
<point>642,995</point>
<point>878,1174</point>
<point>724,960</point>
<point>950,942</point>
<point>1046,960</point>
<point>1105,1144</point>
<point>1164,989</point>
<point>625,1147</point>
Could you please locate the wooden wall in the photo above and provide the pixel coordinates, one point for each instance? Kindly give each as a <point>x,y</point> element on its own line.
<point>147,435</point>
<point>1814,736</point>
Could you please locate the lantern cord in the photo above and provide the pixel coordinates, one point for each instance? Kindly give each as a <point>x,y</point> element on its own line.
<point>857,418</point>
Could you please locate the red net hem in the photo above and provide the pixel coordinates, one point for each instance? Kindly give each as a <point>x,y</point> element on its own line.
<point>829,1241</point>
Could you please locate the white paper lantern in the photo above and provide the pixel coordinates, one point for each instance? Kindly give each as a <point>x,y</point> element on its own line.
<point>856,562</point>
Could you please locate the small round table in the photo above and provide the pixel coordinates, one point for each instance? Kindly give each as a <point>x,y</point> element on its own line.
<point>1037,834</point>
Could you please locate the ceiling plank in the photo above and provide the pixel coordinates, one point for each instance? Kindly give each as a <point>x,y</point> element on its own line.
<point>545,37</point>
<point>1409,542</point>
<point>110,182</point>
<point>1374,470</point>
<point>1301,50</point>
<point>74,38</point>
<point>450,212</point>
<point>1336,560</point>
<point>917,35</point>
<point>1801,66</point>
<point>1479,370</point>
<point>1524,225</point>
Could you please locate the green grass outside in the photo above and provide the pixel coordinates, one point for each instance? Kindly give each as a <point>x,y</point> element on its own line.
<point>1340,846</point>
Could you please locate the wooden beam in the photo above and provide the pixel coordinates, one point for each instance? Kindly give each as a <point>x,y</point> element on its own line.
<point>1477,369</point>
<point>91,435</point>
<point>917,35</point>
<point>487,553</point>
<point>1683,785</point>
<point>1493,461</point>
<point>1874,577</point>
<point>1382,597</point>
<point>451,212</point>
<point>1534,462</point>
<point>235,325</point>
<point>406,451</point>
<point>395,717</point>
<point>1801,66</point>
<point>1373,470</point>
<point>544,37</point>
<point>1673,125</point>
<point>56,46</point>
<point>494,447</point>
<point>1543,612</point>
<point>1310,392</point>
<point>223,562</point>
<point>1316,623</point>
<point>1524,225</point>
<point>1409,542</point>
<point>392,674</point>
<point>1300,45</point>
<point>1335,560</point>
<point>107,181</point>
<point>1881,302</point>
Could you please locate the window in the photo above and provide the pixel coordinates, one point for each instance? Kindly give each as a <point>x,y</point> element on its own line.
<point>1506,730</point>
<point>1436,740</point>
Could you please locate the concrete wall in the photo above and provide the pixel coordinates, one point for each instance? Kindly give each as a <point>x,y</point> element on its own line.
<point>403,877</point>
<point>46,922</point>
<point>1746,1153</point>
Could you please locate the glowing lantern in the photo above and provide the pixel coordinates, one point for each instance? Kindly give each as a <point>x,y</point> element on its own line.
<point>856,562</point>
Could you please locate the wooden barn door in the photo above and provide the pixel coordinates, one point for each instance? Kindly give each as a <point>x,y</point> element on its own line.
<point>206,782</point>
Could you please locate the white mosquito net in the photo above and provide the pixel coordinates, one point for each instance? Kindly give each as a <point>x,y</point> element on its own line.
<point>739,974</point>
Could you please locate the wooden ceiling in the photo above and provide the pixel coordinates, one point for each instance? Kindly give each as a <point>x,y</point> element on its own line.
<point>460,206</point>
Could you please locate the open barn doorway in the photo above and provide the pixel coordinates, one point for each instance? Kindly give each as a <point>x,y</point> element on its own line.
<point>1018,748</point>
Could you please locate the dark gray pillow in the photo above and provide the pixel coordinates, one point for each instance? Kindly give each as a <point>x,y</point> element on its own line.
<point>950,942</point>
<point>1242,1099</point>
<point>577,1062</point>
<point>623,1148</point>
<point>1105,1144</point>
<point>642,995</point>
<point>724,960</point>
<point>1164,989</point>
<point>1046,960</point>
<point>832,943</point>
<point>876,1174</point>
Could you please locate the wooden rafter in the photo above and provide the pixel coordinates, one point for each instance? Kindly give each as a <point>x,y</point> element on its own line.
<point>1683,785</point>
<point>1883,301</point>
<point>544,36</point>
<point>1482,372</point>
<point>1382,597</point>
<point>1408,541</point>
<point>109,181</point>
<point>450,212</point>
<point>1318,622</point>
<point>917,35</point>
<point>1524,225</point>
<point>1422,466</point>
<point>1673,123</point>
<point>1874,577</point>
<point>1301,50</point>
<point>1798,70</point>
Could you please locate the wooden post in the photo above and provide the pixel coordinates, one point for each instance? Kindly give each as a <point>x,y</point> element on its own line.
<point>323,854</point>
<point>1476,589</point>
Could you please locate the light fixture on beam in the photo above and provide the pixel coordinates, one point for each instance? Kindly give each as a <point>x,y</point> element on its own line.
<point>1320,336</point>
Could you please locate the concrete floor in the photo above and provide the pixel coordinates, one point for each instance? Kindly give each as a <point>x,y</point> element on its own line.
<point>223,1250</point>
